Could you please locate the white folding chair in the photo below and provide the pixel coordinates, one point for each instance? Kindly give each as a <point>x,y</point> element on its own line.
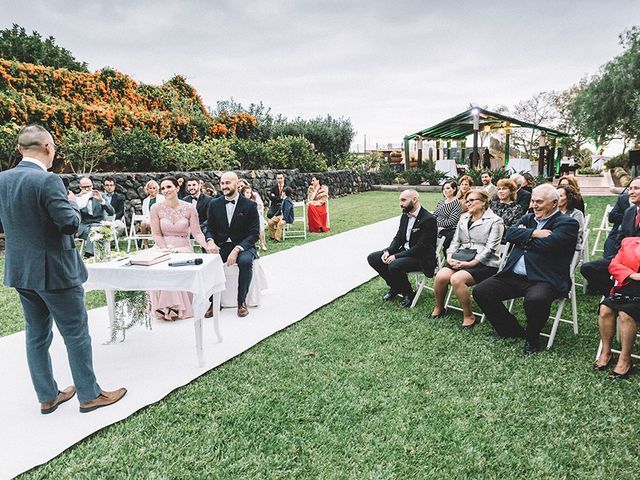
<point>328,216</point>
<point>134,235</point>
<point>571,296</point>
<point>114,232</point>
<point>503,253</point>
<point>297,229</point>
<point>421,278</point>
<point>603,228</point>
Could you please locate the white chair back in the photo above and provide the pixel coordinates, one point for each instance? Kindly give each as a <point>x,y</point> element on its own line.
<point>297,229</point>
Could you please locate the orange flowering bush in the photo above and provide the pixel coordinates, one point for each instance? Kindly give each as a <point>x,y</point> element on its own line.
<point>106,100</point>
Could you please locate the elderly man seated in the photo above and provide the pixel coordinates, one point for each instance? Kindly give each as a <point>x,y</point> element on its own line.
<point>537,269</point>
<point>93,209</point>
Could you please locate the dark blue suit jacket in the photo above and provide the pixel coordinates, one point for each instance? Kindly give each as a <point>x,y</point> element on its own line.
<point>39,223</point>
<point>623,226</point>
<point>547,259</point>
<point>245,223</point>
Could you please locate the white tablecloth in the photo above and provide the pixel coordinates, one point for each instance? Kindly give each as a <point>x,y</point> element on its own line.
<point>448,167</point>
<point>202,280</point>
<point>517,165</point>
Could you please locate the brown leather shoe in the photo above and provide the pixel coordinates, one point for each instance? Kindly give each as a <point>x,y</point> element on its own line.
<point>209,312</point>
<point>63,396</point>
<point>243,311</point>
<point>104,400</point>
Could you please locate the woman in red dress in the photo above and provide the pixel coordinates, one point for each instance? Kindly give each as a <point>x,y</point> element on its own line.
<point>317,197</point>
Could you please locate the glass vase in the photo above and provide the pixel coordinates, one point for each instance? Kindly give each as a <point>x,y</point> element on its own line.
<point>102,251</point>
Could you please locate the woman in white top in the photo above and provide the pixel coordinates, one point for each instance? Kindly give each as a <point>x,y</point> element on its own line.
<point>246,190</point>
<point>472,256</point>
<point>151,188</point>
<point>568,204</point>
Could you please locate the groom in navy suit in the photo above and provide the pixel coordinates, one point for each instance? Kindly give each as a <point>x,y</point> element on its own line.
<point>232,230</point>
<point>39,219</point>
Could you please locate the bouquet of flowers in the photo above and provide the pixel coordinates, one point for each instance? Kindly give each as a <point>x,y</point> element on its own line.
<point>101,232</point>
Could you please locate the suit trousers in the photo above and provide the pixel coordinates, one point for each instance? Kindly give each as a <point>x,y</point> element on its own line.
<point>395,273</point>
<point>538,297</point>
<point>597,275</point>
<point>66,308</point>
<point>245,267</point>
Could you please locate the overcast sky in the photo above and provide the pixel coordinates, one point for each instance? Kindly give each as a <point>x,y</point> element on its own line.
<point>392,67</point>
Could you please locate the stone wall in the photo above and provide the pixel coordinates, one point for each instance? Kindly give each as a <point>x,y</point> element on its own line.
<point>341,182</point>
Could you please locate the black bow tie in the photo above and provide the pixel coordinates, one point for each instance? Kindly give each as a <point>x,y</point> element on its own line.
<point>229,201</point>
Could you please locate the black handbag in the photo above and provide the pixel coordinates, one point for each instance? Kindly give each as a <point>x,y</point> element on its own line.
<point>464,254</point>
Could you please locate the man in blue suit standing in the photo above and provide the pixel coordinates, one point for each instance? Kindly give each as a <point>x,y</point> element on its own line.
<point>42,264</point>
<point>537,269</point>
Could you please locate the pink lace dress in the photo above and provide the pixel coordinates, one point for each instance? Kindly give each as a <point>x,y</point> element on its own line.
<point>171,228</point>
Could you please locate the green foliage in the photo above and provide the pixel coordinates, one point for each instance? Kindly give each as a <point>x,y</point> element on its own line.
<point>209,154</point>
<point>279,153</point>
<point>617,161</point>
<point>137,150</point>
<point>361,162</point>
<point>388,175</point>
<point>330,136</point>
<point>16,44</point>
<point>609,105</point>
<point>8,142</point>
<point>413,176</point>
<point>435,177</point>
<point>84,151</point>
<point>589,171</point>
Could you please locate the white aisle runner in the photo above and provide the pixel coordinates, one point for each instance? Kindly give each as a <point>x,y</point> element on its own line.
<point>153,363</point>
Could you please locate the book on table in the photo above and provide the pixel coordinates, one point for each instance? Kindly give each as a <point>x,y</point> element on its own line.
<point>150,257</point>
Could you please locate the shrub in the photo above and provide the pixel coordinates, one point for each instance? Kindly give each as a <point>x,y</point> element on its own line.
<point>83,151</point>
<point>361,162</point>
<point>435,177</point>
<point>413,176</point>
<point>617,161</point>
<point>209,154</point>
<point>284,152</point>
<point>588,171</point>
<point>137,150</point>
<point>8,141</point>
<point>387,175</point>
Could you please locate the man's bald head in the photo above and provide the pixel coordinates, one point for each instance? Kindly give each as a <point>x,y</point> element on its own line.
<point>229,184</point>
<point>409,200</point>
<point>34,141</point>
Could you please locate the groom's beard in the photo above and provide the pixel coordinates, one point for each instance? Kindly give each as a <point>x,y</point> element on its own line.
<point>409,208</point>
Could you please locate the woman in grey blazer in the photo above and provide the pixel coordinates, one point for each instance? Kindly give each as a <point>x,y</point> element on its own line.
<point>472,255</point>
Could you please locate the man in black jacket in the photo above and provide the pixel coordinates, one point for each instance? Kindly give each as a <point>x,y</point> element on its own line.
<point>413,249</point>
<point>276,194</point>
<point>232,230</point>
<point>199,199</point>
<point>116,200</point>
<point>537,269</point>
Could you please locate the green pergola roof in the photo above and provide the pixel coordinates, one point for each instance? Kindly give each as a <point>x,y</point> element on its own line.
<point>461,126</point>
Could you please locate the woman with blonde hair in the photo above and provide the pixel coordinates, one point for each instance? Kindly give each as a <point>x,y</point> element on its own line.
<point>152,189</point>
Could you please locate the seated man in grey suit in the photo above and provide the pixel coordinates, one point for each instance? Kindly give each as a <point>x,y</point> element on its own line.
<point>93,209</point>
<point>42,264</point>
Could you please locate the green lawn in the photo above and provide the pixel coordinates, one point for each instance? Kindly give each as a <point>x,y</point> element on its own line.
<point>365,389</point>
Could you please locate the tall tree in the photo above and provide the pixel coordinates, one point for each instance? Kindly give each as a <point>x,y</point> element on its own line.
<point>16,44</point>
<point>609,105</point>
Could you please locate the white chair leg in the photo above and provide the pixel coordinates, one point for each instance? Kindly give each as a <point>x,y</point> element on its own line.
<point>556,322</point>
<point>595,244</point>
<point>420,286</point>
<point>599,350</point>
<point>448,299</point>
<point>574,310</point>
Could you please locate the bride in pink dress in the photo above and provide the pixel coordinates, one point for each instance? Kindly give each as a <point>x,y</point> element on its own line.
<point>171,224</point>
